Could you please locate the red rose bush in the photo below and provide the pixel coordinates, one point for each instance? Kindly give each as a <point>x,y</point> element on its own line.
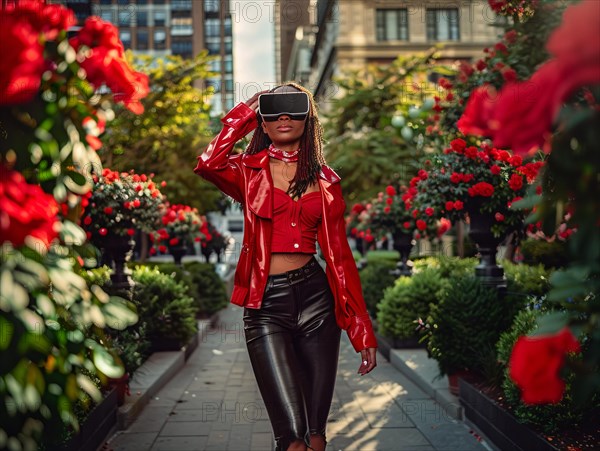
<point>468,177</point>
<point>52,114</point>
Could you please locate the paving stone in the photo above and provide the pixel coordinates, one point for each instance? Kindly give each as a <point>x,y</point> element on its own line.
<point>129,441</point>
<point>178,444</point>
<point>187,428</point>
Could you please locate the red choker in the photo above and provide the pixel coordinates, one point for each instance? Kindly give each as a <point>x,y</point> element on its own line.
<point>287,157</point>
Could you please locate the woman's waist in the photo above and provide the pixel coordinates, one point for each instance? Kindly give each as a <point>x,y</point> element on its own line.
<point>282,262</point>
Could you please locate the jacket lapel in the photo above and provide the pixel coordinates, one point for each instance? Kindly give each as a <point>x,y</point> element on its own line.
<point>259,184</point>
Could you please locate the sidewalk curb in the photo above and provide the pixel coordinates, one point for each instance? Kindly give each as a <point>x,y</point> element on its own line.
<point>154,374</point>
<point>422,371</point>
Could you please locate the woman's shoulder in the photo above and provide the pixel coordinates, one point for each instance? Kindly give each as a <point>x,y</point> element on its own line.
<point>327,173</point>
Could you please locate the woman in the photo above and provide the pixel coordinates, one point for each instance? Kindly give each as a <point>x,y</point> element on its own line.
<point>293,310</point>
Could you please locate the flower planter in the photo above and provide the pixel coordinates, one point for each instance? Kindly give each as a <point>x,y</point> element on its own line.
<point>95,428</point>
<point>500,426</point>
<point>178,252</point>
<point>403,243</point>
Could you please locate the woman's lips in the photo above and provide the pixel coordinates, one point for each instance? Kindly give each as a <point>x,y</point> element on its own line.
<point>284,128</point>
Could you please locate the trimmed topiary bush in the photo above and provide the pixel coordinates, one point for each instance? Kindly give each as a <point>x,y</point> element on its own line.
<point>210,294</point>
<point>552,254</point>
<point>466,324</point>
<point>165,306</point>
<point>375,278</point>
<point>407,300</point>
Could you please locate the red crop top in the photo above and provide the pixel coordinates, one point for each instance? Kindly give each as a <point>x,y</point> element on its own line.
<point>295,222</point>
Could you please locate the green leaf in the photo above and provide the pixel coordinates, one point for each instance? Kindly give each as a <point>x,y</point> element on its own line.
<point>7,329</point>
<point>119,313</point>
<point>551,323</point>
<point>106,363</point>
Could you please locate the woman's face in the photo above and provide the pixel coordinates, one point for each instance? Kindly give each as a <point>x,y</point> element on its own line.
<point>284,130</point>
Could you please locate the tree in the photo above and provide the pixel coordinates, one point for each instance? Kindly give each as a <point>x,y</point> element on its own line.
<point>370,132</point>
<point>168,136</point>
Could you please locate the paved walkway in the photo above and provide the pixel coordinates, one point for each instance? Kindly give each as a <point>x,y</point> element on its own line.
<point>214,404</point>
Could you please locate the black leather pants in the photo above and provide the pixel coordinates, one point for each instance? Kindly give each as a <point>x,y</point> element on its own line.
<point>293,341</point>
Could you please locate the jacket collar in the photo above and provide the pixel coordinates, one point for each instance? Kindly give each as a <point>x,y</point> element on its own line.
<point>260,183</point>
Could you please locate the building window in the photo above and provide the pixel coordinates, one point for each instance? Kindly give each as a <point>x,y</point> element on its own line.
<point>229,105</point>
<point>183,48</point>
<point>212,28</point>
<point>442,25</point>
<point>213,85</point>
<point>160,39</point>
<point>125,36</point>
<point>213,46</point>
<point>181,26</point>
<point>227,26</point>
<point>124,2</point>
<point>105,2</point>
<point>228,63</point>
<point>141,2</point>
<point>160,18</point>
<point>106,15</point>
<point>215,65</point>
<point>142,40</point>
<point>142,19</point>
<point>229,84</point>
<point>158,2</point>
<point>124,18</point>
<point>228,45</point>
<point>392,25</point>
<point>182,5</point>
<point>211,6</point>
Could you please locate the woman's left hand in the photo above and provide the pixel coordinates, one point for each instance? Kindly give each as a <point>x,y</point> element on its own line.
<point>369,360</point>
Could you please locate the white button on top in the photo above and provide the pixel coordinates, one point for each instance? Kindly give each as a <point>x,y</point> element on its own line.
<point>296,245</point>
<point>229,119</point>
<point>293,224</point>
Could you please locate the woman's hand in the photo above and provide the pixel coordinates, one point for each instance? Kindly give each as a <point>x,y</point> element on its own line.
<point>252,102</point>
<point>369,360</point>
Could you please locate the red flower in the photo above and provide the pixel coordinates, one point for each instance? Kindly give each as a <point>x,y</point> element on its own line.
<point>515,182</point>
<point>483,189</point>
<point>422,174</point>
<point>499,217</point>
<point>429,211</point>
<point>480,65</point>
<point>162,248</point>
<point>136,203</point>
<point>174,241</point>
<point>458,205</point>
<point>510,36</point>
<point>456,177</point>
<point>25,211</point>
<point>103,231</point>
<point>390,190</point>
<point>458,145</point>
<point>509,75</point>
<point>387,209</point>
<point>535,363</point>
<point>389,200</point>
<point>421,225</point>
<point>449,205</point>
<point>495,169</point>
<point>477,117</point>
<point>108,210</point>
<point>526,110</point>
<point>406,225</point>
<point>500,47</point>
<point>22,62</point>
<point>107,65</point>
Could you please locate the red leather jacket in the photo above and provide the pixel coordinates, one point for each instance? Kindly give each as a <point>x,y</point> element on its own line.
<point>247,179</point>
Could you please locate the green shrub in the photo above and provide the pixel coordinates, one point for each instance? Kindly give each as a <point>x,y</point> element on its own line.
<point>466,324</point>
<point>548,417</point>
<point>210,294</point>
<point>375,278</point>
<point>385,255</point>
<point>448,266</point>
<point>550,254</point>
<point>164,305</point>
<point>407,300</point>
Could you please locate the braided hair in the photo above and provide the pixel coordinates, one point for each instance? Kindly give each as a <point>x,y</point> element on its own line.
<point>310,157</point>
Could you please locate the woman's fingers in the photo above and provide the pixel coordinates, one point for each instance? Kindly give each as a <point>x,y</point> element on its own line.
<point>369,360</point>
<point>252,102</point>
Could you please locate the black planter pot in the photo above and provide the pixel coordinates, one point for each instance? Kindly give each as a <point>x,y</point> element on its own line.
<point>95,428</point>
<point>480,232</point>
<point>117,252</point>
<point>500,426</point>
<point>403,243</point>
<point>178,252</point>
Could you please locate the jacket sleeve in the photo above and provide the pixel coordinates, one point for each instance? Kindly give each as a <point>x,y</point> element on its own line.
<point>351,310</point>
<point>215,164</point>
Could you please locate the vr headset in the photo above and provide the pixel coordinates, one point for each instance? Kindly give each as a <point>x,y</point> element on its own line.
<point>274,104</point>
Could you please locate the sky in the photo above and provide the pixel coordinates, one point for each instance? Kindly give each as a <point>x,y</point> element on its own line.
<point>253,46</point>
